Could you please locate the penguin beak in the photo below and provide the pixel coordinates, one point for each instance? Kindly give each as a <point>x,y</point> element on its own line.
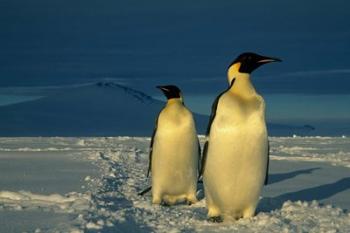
<point>162,88</point>
<point>264,60</point>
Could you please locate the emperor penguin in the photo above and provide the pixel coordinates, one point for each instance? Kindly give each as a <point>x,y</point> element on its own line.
<point>174,152</point>
<point>235,156</point>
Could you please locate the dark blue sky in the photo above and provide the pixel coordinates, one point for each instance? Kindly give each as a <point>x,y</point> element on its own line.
<point>189,43</point>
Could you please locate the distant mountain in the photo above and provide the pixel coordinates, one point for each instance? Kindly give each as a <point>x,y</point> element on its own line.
<point>289,130</point>
<point>102,109</point>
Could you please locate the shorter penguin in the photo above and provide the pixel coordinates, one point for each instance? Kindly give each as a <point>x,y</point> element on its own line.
<point>174,152</point>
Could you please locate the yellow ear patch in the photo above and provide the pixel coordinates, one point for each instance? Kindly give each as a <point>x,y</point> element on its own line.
<point>233,71</point>
<point>236,66</point>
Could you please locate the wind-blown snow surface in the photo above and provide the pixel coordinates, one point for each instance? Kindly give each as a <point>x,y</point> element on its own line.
<point>91,185</point>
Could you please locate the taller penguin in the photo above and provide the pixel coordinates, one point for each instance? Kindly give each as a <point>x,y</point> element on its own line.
<point>235,157</point>
<point>174,152</point>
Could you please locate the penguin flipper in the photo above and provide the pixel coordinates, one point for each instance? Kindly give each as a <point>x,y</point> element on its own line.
<point>213,112</point>
<point>199,158</point>
<point>205,148</point>
<point>268,164</point>
<point>151,149</point>
<point>211,119</point>
<point>215,106</point>
<point>204,159</point>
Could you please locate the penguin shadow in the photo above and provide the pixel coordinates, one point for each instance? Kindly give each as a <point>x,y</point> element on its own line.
<point>317,193</point>
<point>275,178</point>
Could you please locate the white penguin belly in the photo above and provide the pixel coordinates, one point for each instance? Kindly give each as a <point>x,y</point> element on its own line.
<point>175,161</point>
<point>236,166</point>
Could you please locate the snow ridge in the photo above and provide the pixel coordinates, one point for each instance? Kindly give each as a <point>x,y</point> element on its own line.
<point>140,96</point>
<point>71,202</point>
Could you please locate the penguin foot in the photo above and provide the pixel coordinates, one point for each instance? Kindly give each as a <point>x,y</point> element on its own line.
<point>165,204</point>
<point>189,202</point>
<point>156,201</point>
<point>191,199</point>
<point>215,219</point>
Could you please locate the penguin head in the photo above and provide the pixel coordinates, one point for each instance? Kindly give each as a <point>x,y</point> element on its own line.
<point>248,62</point>
<point>171,91</point>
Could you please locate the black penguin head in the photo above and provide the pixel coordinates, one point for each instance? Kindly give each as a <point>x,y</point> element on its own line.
<point>251,61</point>
<point>170,91</point>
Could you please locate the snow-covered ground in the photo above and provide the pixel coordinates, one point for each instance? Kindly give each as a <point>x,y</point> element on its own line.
<point>91,184</point>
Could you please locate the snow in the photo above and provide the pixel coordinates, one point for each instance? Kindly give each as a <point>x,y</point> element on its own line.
<point>71,202</point>
<point>334,150</point>
<point>91,184</point>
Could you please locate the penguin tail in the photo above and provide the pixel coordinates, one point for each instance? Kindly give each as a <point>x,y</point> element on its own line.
<point>146,190</point>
